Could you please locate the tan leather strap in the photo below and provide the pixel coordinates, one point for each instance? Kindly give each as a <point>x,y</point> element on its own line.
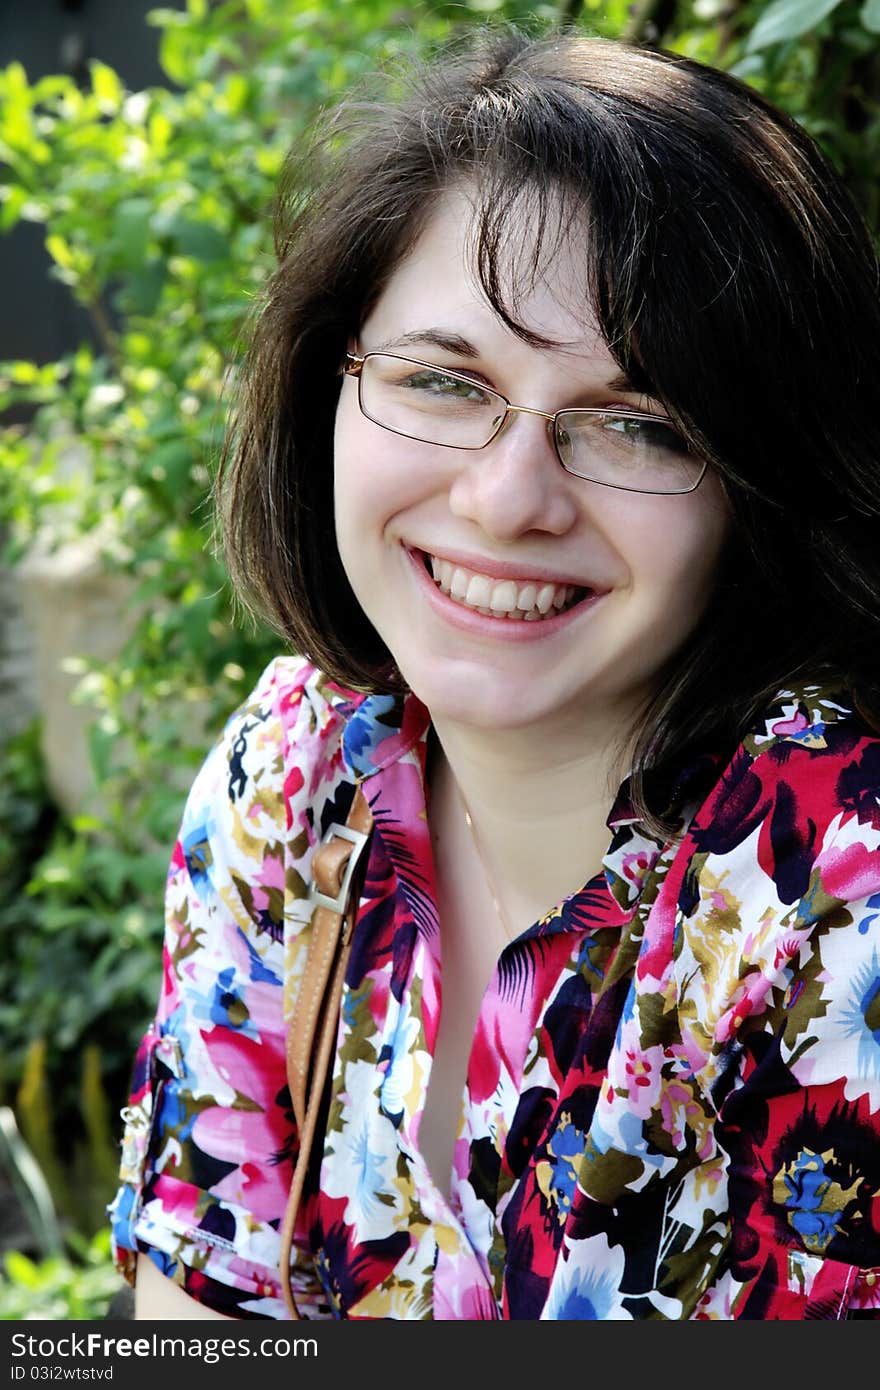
<point>311,1036</point>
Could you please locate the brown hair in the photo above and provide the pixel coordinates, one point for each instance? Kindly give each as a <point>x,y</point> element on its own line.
<point>732,277</point>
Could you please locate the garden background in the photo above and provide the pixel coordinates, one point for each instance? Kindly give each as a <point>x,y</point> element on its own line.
<point>155,209</point>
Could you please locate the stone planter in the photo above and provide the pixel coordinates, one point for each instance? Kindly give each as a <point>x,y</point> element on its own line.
<point>18,693</point>
<point>72,608</point>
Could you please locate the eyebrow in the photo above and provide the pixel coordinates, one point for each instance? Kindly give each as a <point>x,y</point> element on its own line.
<point>454,342</point>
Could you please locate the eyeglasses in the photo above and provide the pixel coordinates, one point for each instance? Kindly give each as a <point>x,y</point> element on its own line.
<point>627,449</point>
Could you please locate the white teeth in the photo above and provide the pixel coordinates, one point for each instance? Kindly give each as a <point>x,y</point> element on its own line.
<point>503,597</point>
<point>479,591</point>
<point>544,601</point>
<point>526,601</point>
<point>527,595</point>
<point>459,585</point>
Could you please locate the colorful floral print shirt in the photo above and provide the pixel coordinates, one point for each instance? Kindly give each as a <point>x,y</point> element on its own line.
<point>672,1105</point>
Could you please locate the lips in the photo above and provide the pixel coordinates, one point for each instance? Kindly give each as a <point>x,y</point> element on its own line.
<point>483,623</point>
<point>503,569</point>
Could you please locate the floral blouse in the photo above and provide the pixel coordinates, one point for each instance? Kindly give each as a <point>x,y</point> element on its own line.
<point>672,1102</point>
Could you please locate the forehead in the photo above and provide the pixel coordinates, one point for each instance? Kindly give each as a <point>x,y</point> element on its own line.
<point>544,279</point>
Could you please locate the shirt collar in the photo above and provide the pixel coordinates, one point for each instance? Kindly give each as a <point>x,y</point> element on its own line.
<point>669,792</point>
<point>381,728</point>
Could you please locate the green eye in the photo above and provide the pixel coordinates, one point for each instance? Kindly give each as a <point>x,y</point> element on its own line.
<point>439,384</point>
<point>649,434</point>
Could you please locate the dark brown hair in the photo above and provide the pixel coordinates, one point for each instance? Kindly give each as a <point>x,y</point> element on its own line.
<point>732,277</point>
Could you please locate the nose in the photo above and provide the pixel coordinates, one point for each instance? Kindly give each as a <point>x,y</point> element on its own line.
<point>515,484</point>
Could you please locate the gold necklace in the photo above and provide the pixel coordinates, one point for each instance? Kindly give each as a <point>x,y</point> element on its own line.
<point>485,867</point>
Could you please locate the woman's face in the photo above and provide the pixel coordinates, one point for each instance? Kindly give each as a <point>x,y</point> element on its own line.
<point>511,513</point>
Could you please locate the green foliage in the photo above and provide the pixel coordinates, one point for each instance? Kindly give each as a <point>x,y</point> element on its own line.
<point>23,798</point>
<point>79,963</point>
<point>817,59</point>
<point>78,1158</point>
<point>788,19</point>
<point>155,207</point>
<point>35,1109</point>
<point>75,1285</point>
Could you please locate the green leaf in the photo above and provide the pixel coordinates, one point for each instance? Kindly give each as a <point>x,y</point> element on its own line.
<point>25,373</point>
<point>106,87</point>
<point>131,229</point>
<point>200,240</point>
<point>142,288</point>
<point>21,1270</point>
<point>14,78</point>
<point>237,92</point>
<point>748,66</point>
<point>175,53</point>
<point>788,19</point>
<point>870,16</point>
<point>102,746</point>
<point>60,251</point>
<point>171,464</point>
<point>167,19</point>
<point>160,131</point>
<point>14,199</point>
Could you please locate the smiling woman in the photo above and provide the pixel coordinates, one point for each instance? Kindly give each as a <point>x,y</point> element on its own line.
<point>553,466</point>
<point>494,503</point>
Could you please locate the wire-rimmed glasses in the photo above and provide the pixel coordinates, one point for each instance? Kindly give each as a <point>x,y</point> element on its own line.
<point>628,449</point>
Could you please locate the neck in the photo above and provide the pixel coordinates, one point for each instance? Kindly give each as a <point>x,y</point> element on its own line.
<point>540,815</point>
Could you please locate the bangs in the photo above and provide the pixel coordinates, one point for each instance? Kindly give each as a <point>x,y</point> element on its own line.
<point>526,224</point>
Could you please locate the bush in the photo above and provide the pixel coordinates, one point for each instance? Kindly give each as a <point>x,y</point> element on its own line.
<point>155,206</point>
<point>79,1285</point>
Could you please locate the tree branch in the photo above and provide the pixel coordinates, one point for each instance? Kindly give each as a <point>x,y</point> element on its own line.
<point>107,334</point>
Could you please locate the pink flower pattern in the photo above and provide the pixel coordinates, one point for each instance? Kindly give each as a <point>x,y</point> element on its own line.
<point>672,1107</point>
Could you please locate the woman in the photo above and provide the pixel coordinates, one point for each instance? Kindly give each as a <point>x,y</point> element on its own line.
<point>554,467</point>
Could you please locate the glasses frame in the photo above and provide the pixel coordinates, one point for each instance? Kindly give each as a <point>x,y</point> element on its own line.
<point>353,364</point>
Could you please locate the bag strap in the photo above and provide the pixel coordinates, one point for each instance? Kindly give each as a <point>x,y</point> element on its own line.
<point>311,1036</point>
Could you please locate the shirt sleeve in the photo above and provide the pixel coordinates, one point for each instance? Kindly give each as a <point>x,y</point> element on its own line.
<point>209,1136</point>
<point>798,1041</point>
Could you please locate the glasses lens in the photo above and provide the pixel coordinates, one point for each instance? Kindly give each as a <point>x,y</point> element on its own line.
<point>639,453</point>
<point>428,403</point>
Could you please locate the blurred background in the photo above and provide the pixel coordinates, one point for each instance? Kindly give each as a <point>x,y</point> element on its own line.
<point>139,149</point>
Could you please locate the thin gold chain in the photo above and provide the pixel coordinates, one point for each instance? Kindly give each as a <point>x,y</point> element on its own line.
<point>485,867</point>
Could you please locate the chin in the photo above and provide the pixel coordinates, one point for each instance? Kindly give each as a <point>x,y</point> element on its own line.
<point>474,694</point>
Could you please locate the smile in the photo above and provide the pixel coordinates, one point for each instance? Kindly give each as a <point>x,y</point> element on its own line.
<point>505,608</point>
<point>510,600</point>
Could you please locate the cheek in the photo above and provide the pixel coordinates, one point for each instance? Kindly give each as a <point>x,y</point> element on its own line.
<point>374,482</point>
<point>701,535</point>
<point>673,549</point>
<point>345,444</point>
<point>379,478</point>
<point>348,474</point>
<point>357,495</point>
